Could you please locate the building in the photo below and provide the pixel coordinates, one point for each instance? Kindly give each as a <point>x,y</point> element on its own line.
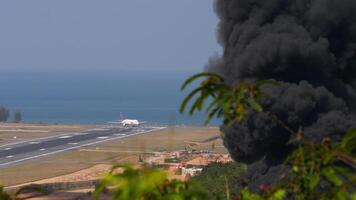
<point>189,172</point>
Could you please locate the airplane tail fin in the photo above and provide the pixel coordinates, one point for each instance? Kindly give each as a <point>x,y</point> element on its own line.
<point>121,116</point>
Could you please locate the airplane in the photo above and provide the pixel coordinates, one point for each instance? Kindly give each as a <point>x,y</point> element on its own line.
<point>128,122</point>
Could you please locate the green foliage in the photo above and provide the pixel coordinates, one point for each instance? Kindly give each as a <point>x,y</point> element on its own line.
<point>231,102</point>
<point>213,180</point>
<point>278,195</point>
<point>150,184</point>
<point>325,162</point>
<point>4,195</point>
<point>319,171</point>
<point>348,142</point>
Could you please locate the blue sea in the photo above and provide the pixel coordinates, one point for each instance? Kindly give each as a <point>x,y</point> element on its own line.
<point>95,96</point>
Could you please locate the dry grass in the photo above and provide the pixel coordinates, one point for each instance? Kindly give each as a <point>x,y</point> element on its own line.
<point>118,151</point>
<point>54,166</point>
<point>170,139</point>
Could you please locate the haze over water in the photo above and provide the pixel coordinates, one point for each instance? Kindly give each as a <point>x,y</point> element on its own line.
<point>94,96</point>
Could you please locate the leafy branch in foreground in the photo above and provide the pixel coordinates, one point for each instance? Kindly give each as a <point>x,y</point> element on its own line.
<point>318,171</point>
<point>329,164</point>
<point>3,194</point>
<point>231,102</point>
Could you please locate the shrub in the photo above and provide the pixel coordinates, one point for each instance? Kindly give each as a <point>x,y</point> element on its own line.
<point>4,195</point>
<point>146,184</point>
<point>217,178</point>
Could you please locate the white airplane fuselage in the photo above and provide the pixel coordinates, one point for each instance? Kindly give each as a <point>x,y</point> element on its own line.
<point>130,122</point>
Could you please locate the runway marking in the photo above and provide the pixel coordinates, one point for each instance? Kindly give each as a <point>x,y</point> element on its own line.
<point>23,130</point>
<point>7,149</point>
<point>102,137</point>
<point>36,142</point>
<point>42,149</point>
<point>9,156</point>
<point>36,139</point>
<point>72,143</point>
<point>66,136</point>
<point>119,134</point>
<point>99,129</point>
<point>81,133</point>
<point>77,147</point>
<point>111,151</point>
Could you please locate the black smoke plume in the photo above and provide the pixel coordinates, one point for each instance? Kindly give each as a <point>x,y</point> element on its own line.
<point>310,47</point>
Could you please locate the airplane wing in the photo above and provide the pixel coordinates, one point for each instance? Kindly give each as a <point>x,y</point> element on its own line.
<point>114,122</point>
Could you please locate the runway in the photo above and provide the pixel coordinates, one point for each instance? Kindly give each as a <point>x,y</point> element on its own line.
<point>11,154</point>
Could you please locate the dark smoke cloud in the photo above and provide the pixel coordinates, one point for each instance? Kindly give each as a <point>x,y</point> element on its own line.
<point>298,105</point>
<point>308,45</point>
<point>290,40</point>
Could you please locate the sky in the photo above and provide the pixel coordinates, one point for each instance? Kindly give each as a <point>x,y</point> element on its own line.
<point>106,35</point>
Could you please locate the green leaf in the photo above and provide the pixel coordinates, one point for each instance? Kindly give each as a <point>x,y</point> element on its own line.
<point>213,103</point>
<point>200,75</point>
<point>234,101</point>
<point>342,195</point>
<point>211,115</point>
<point>348,142</point>
<point>330,174</point>
<point>344,171</point>
<point>279,195</point>
<point>353,196</point>
<point>250,196</point>
<point>198,104</point>
<point>187,99</point>
<point>253,104</point>
<point>313,181</point>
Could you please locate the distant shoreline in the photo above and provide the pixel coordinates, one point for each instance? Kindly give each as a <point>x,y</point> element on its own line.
<point>97,124</point>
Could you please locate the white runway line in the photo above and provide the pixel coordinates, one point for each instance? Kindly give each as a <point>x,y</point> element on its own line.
<point>36,142</point>
<point>77,147</point>
<point>72,143</point>
<point>9,156</point>
<point>22,130</point>
<point>66,136</point>
<point>102,137</point>
<point>43,138</point>
<point>7,149</point>
<point>81,133</point>
<point>99,129</point>
<point>42,149</point>
<point>37,139</point>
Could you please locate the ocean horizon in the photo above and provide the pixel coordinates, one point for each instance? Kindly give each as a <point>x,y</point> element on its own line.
<point>96,97</point>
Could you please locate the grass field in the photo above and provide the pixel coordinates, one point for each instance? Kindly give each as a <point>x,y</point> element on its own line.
<point>125,150</point>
